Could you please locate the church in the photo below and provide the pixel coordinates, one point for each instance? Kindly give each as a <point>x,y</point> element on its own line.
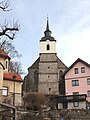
<point>46,73</point>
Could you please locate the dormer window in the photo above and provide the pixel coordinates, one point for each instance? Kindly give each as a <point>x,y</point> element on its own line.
<point>48,47</point>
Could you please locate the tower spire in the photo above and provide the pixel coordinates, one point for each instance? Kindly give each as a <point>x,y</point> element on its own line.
<point>47,32</point>
<point>47,28</point>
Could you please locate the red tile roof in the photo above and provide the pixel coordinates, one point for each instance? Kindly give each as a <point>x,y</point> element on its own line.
<point>4,54</point>
<point>9,76</point>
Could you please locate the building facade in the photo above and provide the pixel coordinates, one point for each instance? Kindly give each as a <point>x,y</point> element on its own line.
<point>10,83</point>
<point>77,81</point>
<point>45,74</point>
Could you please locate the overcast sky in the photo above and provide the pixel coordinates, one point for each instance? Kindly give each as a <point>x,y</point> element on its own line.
<point>69,22</point>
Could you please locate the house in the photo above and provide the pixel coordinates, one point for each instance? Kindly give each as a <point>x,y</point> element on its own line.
<point>10,83</point>
<point>77,83</point>
<point>12,88</point>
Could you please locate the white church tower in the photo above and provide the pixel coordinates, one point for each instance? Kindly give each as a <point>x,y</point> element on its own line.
<point>47,43</point>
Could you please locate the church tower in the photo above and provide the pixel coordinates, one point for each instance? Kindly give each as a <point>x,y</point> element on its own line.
<point>48,66</point>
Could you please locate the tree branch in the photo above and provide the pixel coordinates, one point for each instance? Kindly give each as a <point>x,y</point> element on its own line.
<point>9,31</point>
<point>10,36</point>
<point>4,5</point>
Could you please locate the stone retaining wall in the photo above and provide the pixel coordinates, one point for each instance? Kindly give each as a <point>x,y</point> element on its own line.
<point>68,114</point>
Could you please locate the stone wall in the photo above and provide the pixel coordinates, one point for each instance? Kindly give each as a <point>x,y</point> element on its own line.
<point>48,57</point>
<point>68,114</point>
<point>48,74</point>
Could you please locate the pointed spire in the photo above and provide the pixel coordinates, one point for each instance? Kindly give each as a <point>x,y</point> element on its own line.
<point>47,28</point>
<point>47,32</point>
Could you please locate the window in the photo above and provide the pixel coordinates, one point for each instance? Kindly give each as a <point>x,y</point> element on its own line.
<point>48,76</point>
<point>49,89</point>
<point>5,91</point>
<point>88,93</point>
<point>82,69</point>
<point>6,64</point>
<point>60,75</point>
<point>76,104</point>
<point>88,81</point>
<point>76,70</point>
<point>36,77</point>
<point>48,47</point>
<point>75,82</point>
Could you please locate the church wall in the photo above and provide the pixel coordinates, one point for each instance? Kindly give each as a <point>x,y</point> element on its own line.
<point>32,80</point>
<point>48,78</point>
<point>31,73</point>
<point>48,68</point>
<point>48,88</point>
<point>48,57</point>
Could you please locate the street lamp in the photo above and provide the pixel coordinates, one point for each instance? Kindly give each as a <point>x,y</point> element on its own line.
<point>14,77</point>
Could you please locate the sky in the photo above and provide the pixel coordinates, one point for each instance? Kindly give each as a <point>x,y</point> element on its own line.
<point>69,21</point>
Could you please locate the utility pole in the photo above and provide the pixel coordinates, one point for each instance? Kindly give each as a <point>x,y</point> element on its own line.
<point>14,78</point>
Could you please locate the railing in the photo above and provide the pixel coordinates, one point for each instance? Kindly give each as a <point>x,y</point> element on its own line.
<point>70,98</point>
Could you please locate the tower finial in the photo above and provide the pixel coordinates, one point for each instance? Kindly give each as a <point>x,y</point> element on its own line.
<point>47,32</point>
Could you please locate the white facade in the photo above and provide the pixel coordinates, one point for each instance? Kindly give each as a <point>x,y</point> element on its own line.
<point>48,46</point>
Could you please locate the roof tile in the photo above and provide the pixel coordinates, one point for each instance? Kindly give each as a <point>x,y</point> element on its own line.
<point>10,76</point>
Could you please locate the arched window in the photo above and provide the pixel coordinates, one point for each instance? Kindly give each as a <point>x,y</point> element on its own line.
<point>61,83</point>
<point>36,80</point>
<point>48,47</point>
<point>35,76</point>
<point>60,74</point>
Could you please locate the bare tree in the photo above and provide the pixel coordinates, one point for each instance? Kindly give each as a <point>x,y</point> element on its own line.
<point>15,67</point>
<point>34,101</point>
<point>7,46</point>
<point>7,34</point>
<point>9,31</point>
<point>5,29</point>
